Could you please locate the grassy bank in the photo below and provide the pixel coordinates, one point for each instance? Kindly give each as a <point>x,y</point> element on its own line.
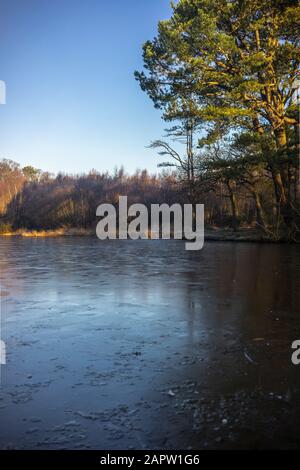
<point>216,234</point>
<point>61,232</point>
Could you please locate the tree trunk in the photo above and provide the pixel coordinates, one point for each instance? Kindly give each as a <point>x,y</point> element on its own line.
<point>234,208</point>
<point>297,168</point>
<point>282,180</point>
<point>260,219</point>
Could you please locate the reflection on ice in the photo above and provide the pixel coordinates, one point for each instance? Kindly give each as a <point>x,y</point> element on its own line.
<point>97,333</point>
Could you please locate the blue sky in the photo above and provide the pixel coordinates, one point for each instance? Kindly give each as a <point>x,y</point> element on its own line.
<point>72,101</point>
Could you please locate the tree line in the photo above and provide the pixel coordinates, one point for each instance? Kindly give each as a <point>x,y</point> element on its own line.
<point>36,200</point>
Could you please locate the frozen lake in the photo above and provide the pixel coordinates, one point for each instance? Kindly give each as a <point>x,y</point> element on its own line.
<point>141,344</point>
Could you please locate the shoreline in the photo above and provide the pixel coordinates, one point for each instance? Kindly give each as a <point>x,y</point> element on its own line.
<point>243,235</point>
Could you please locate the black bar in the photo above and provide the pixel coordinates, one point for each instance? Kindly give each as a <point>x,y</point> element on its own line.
<point>139,459</point>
